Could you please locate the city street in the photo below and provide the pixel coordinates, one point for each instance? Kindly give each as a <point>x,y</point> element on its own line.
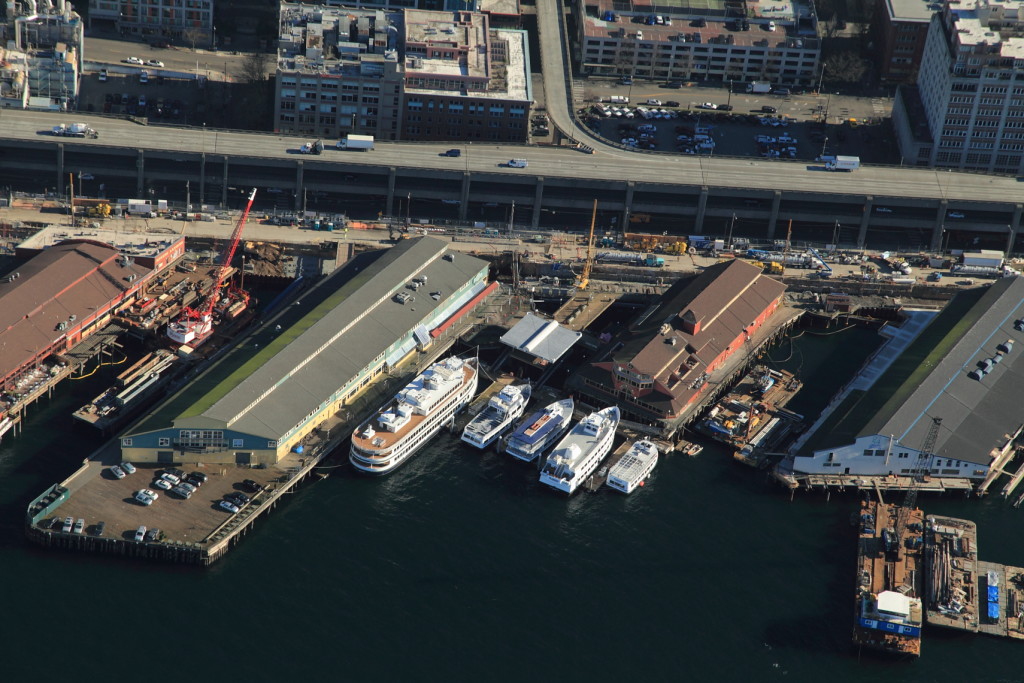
<point>220,65</point>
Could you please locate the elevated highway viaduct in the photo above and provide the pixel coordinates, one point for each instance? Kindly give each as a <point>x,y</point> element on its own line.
<point>685,195</point>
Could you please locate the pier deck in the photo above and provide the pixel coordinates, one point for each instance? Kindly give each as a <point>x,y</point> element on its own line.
<point>600,477</point>
<point>992,627</point>
<point>581,310</point>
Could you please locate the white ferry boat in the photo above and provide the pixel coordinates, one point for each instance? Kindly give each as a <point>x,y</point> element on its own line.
<point>578,454</point>
<point>636,465</point>
<point>540,431</point>
<point>414,415</point>
<point>501,411</point>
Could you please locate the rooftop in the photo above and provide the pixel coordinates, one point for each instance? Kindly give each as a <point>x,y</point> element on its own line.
<point>541,338</point>
<point>267,387</point>
<point>930,380</point>
<point>333,39</point>
<point>912,10</point>
<point>64,283</point>
<point>129,243</point>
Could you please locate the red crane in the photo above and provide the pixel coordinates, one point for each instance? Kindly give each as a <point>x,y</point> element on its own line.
<point>195,324</point>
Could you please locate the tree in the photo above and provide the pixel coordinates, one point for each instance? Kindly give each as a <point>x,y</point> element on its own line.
<point>254,68</point>
<point>193,35</point>
<point>846,67</point>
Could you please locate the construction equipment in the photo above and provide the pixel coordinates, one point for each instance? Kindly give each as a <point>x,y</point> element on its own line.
<point>917,472</point>
<point>195,325</point>
<point>588,264</point>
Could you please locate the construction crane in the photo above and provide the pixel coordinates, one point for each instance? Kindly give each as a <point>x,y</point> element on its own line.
<point>917,473</point>
<point>588,264</point>
<point>195,324</point>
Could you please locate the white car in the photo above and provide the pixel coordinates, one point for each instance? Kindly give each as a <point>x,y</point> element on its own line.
<point>117,472</point>
<point>126,466</point>
<point>103,75</point>
<point>956,214</point>
<point>144,496</point>
<point>140,534</point>
<point>654,102</point>
<point>144,77</point>
<point>707,105</point>
<point>162,484</point>
<point>171,478</point>
<point>155,62</point>
<point>133,60</point>
<point>883,209</point>
<point>230,507</point>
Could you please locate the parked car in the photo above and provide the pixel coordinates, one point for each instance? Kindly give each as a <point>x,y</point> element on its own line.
<point>251,486</point>
<point>188,487</point>
<point>725,107</point>
<point>956,214</point>
<point>162,484</point>
<point>117,472</point>
<point>172,478</point>
<point>132,60</point>
<point>140,534</point>
<point>452,153</point>
<point>237,498</point>
<point>143,79</point>
<point>152,535</point>
<point>103,75</point>
<point>883,209</point>
<point>671,103</point>
<point>155,62</point>
<point>183,492</point>
<point>99,529</point>
<point>229,506</point>
<point>69,522</point>
<point>79,526</point>
<point>126,466</point>
<point>142,103</point>
<point>146,496</point>
<point>768,109</point>
<point>194,481</point>
<point>780,91</point>
<point>707,105</point>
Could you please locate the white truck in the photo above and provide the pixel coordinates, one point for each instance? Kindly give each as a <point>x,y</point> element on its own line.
<point>759,87</point>
<point>989,258</point>
<point>75,130</point>
<point>361,142</point>
<point>842,163</point>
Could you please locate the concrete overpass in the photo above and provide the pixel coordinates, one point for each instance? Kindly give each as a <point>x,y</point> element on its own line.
<point>698,193</point>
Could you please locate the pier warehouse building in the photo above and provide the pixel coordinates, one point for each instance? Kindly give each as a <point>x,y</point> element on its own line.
<point>661,365</point>
<point>64,294</point>
<point>269,392</point>
<point>965,367</point>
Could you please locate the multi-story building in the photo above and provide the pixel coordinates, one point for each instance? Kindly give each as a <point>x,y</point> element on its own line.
<point>900,28</point>
<point>421,75</point>
<point>967,108</point>
<point>41,68</point>
<point>338,72</point>
<point>464,80</point>
<point>663,363</point>
<point>736,41</point>
<point>187,20</point>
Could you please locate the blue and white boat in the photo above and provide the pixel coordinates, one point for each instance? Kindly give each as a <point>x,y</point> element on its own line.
<point>540,431</point>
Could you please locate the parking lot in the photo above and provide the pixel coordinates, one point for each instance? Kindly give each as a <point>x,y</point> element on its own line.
<point>105,498</point>
<point>168,99</point>
<point>815,125</point>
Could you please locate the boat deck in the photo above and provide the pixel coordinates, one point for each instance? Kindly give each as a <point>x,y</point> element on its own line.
<point>480,402</point>
<point>880,569</point>
<point>383,440</point>
<point>951,546</point>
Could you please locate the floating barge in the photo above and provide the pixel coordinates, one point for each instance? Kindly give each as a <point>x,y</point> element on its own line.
<point>951,546</point>
<point>752,417</point>
<point>129,391</point>
<point>888,608</point>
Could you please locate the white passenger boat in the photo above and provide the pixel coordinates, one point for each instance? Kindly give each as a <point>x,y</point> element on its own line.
<point>414,415</point>
<point>634,468</point>
<point>501,411</point>
<point>579,453</point>
<point>540,431</point>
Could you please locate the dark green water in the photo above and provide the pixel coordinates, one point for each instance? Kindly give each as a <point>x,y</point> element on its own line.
<point>459,567</point>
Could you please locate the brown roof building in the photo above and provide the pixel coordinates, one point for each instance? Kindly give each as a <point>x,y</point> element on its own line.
<point>59,298</point>
<point>663,362</point>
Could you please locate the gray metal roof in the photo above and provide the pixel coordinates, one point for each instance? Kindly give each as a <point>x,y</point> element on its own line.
<point>976,415</point>
<point>539,337</point>
<point>312,367</point>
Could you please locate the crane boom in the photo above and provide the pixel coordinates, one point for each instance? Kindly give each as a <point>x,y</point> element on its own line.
<point>588,265</point>
<point>195,324</point>
<point>916,475</point>
<point>229,255</point>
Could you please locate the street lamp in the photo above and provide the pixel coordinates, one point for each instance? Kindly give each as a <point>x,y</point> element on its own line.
<point>728,102</point>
